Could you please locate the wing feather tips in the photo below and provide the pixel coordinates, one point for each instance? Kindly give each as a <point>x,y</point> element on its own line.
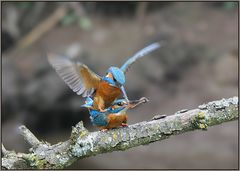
<point>70,72</point>
<point>66,70</point>
<point>141,53</point>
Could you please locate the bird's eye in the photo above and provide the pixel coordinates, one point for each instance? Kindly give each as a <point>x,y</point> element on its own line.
<point>114,79</point>
<point>119,103</point>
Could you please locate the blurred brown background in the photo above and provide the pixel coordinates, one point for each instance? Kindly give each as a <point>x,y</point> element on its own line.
<point>197,64</point>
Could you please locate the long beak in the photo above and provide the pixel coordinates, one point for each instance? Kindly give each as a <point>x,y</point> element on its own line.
<point>141,100</point>
<point>124,93</point>
<point>134,103</point>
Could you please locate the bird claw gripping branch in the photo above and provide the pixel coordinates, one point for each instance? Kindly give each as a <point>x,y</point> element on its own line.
<point>103,91</point>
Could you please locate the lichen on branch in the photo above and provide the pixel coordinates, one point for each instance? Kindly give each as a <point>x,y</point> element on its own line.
<point>83,143</point>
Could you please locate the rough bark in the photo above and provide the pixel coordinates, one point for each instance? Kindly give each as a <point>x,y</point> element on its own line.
<point>84,144</point>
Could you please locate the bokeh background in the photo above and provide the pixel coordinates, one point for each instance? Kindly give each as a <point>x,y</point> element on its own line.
<point>197,64</point>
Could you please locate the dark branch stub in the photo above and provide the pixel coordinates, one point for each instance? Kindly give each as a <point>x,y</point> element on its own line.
<point>156,117</point>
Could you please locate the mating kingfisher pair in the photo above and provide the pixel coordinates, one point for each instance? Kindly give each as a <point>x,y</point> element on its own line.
<point>101,93</point>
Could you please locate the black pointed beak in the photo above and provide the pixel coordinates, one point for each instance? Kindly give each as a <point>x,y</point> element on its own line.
<point>134,103</point>
<point>141,100</point>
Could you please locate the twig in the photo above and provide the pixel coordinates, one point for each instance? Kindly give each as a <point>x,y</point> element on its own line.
<point>83,144</point>
<point>42,28</point>
<point>4,151</point>
<point>29,136</point>
<point>141,10</point>
<point>77,7</point>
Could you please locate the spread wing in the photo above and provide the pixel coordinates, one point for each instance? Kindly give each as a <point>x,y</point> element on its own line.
<point>139,55</point>
<point>77,76</point>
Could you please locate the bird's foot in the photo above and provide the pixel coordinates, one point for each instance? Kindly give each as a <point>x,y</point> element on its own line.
<point>102,110</point>
<point>103,130</point>
<point>124,125</point>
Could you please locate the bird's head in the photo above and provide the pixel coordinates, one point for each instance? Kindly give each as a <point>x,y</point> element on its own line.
<point>117,75</point>
<point>118,106</point>
<point>119,103</point>
<point>123,104</point>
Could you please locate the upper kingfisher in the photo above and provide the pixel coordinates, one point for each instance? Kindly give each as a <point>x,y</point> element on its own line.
<point>114,116</point>
<point>85,82</point>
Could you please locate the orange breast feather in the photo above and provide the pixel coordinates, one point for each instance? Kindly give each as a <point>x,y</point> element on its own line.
<point>115,120</point>
<point>105,95</point>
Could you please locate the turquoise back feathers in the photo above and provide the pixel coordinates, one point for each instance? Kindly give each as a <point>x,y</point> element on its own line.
<point>118,75</point>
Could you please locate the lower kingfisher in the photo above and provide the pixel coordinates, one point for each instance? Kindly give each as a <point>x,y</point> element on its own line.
<point>83,81</point>
<point>114,116</point>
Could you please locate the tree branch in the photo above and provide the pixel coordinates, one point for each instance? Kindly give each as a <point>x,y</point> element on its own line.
<point>84,144</point>
<point>29,136</point>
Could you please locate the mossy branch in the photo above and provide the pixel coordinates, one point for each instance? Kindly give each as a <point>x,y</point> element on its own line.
<point>84,144</point>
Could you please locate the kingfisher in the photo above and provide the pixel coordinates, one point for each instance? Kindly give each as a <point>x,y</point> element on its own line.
<point>83,81</point>
<point>114,116</point>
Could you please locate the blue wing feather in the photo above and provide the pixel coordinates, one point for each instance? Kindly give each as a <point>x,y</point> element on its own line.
<point>138,55</point>
<point>99,120</point>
